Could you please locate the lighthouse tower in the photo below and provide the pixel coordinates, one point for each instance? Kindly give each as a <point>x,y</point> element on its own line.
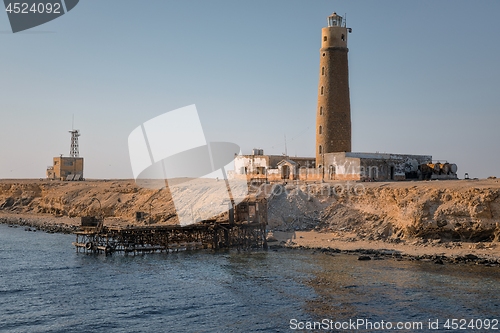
<point>333,116</point>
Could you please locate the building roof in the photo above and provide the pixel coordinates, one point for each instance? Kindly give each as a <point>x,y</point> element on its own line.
<point>379,156</point>
<point>285,161</point>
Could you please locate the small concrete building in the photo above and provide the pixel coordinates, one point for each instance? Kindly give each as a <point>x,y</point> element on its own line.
<point>258,167</point>
<point>66,168</point>
<point>372,166</point>
<point>341,166</point>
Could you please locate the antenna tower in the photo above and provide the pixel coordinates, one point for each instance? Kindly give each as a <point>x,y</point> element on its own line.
<point>286,152</point>
<point>74,151</point>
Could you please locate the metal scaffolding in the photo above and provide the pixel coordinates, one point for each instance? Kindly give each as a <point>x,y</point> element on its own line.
<point>74,150</point>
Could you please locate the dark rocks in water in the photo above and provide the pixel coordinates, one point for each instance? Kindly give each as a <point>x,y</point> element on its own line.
<point>439,262</point>
<point>471,257</point>
<point>330,251</point>
<point>388,252</point>
<point>367,251</point>
<point>34,225</point>
<point>364,258</point>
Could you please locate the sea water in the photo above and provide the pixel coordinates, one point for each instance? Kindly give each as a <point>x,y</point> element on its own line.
<point>45,286</point>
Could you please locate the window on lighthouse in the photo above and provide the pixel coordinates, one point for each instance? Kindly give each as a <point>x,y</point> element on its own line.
<point>320,110</point>
<point>320,130</point>
<point>320,149</point>
<point>324,38</point>
<point>322,70</point>
<point>321,90</point>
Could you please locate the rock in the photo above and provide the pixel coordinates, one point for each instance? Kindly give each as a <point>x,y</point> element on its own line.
<point>271,238</point>
<point>396,240</point>
<point>471,257</point>
<point>441,223</point>
<point>364,258</point>
<point>439,262</point>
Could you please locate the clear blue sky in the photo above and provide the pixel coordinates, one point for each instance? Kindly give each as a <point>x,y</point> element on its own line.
<point>424,78</point>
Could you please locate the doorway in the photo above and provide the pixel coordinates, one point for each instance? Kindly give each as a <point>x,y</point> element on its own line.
<point>285,172</point>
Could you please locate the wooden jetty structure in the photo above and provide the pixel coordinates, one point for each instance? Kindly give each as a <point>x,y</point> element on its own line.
<point>244,229</point>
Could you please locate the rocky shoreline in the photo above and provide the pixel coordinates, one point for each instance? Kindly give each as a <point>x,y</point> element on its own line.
<point>369,254</point>
<point>33,224</point>
<point>486,254</point>
<point>364,253</point>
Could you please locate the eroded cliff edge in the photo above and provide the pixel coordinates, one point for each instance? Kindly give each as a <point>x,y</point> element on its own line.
<point>448,210</point>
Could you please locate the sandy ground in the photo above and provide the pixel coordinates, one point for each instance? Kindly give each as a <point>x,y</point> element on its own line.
<point>345,242</point>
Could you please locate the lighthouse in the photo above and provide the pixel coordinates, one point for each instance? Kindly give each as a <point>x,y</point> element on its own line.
<point>333,115</point>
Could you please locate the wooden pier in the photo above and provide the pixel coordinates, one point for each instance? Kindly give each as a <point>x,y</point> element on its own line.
<point>245,229</point>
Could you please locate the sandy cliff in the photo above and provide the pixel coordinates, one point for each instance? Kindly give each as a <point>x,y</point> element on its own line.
<point>449,210</point>
<point>119,199</point>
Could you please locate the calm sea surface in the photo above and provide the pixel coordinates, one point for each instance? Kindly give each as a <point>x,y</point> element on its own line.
<point>45,286</point>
